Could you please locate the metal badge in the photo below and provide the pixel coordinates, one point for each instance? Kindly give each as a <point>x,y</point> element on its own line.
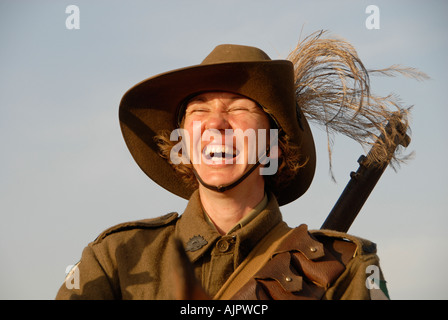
<point>195,243</point>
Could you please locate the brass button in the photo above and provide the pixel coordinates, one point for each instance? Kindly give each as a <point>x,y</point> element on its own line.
<point>313,249</point>
<point>288,279</point>
<point>223,245</point>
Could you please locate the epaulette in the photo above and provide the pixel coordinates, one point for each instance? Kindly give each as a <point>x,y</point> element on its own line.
<point>139,224</point>
<point>363,246</point>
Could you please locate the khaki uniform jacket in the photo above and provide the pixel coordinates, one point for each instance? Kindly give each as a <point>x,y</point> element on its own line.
<point>134,260</point>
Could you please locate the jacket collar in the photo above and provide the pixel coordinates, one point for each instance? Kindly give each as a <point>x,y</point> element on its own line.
<point>198,236</point>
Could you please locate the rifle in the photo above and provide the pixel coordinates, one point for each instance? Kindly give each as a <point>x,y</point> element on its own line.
<point>363,181</point>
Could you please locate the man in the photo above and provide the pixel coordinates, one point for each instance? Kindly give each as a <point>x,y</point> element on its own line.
<point>232,228</point>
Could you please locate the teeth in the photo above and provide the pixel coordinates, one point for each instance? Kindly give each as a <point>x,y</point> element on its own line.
<point>218,151</point>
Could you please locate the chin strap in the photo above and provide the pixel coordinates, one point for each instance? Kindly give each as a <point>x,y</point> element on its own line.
<point>222,188</point>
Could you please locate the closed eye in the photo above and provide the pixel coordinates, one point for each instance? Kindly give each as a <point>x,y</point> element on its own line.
<point>238,109</point>
<point>196,109</point>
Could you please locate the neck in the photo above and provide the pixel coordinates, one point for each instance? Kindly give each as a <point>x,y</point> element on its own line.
<point>225,209</point>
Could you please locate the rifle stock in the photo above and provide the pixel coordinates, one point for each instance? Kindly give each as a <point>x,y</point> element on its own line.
<point>361,185</point>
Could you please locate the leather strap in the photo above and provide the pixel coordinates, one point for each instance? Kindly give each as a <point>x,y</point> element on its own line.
<point>258,257</point>
<point>289,264</point>
<point>223,188</point>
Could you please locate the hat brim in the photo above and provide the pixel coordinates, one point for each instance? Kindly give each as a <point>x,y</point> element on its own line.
<point>152,105</point>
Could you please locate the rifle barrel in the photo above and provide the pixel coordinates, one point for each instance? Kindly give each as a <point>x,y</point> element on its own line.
<point>353,197</point>
<point>361,185</point>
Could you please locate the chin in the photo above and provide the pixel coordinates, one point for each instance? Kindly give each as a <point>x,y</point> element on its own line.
<point>221,177</point>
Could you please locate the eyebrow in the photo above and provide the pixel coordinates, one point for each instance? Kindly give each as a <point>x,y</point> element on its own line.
<point>202,98</point>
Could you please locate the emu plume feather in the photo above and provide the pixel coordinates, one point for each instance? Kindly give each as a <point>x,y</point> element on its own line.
<point>333,89</point>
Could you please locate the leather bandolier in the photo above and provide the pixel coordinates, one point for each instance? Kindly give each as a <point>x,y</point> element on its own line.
<point>302,267</point>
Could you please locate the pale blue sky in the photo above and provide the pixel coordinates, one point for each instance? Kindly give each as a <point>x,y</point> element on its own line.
<point>66,174</point>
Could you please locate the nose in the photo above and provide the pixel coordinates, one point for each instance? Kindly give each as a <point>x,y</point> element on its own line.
<point>217,120</point>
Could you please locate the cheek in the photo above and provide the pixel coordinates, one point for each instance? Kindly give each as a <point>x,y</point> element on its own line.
<point>245,123</point>
<point>254,120</point>
<point>192,137</point>
<point>264,122</point>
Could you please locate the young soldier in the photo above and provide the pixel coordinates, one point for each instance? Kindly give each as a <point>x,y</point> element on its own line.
<point>232,229</point>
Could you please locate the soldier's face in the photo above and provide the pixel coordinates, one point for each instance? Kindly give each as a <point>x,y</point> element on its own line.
<point>224,129</point>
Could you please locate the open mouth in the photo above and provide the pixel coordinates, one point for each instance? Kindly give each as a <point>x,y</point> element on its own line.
<point>219,153</point>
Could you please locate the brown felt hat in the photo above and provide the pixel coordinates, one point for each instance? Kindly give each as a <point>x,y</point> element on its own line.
<point>153,105</point>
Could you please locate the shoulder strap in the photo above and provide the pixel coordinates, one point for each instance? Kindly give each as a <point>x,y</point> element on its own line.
<point>253,262</point>
<point>139,224</point>
<point>363,246</point>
